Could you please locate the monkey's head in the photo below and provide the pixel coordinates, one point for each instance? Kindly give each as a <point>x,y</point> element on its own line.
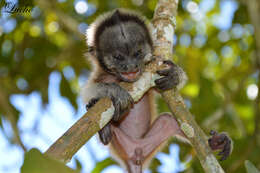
<point>122,43</point>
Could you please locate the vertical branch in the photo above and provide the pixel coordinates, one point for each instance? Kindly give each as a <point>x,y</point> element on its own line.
<point>164,22</point>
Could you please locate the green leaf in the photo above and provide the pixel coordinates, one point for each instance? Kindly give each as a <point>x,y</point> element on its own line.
<point>36,162</point>
<point>102,165</point>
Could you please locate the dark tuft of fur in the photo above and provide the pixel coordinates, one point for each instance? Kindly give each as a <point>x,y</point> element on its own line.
<point>120,17</point>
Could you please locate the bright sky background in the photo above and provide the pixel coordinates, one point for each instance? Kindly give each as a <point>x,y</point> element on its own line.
<point>59,115</point>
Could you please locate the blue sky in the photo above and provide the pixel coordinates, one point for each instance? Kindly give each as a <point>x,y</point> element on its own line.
<point>58,115</point>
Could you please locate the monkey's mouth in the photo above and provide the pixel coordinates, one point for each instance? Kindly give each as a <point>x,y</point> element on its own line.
<point>130,76</point>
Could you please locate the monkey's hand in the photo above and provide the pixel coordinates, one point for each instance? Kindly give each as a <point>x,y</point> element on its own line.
<point>220,141</point>
<point>171,77</point>
<point>122,100</point>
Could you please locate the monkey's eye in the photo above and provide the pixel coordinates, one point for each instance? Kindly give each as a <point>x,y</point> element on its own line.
<point>138,53</point>
<point>118,57</point>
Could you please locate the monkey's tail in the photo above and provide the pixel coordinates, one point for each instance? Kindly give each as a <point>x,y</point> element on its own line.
<point>134,167</point>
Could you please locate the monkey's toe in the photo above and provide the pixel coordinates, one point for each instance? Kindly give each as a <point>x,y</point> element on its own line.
<point>170,77</point>
<point>220,141</point>
<point>91,103</point>
<point>105,134</point>
<point>122,104</point>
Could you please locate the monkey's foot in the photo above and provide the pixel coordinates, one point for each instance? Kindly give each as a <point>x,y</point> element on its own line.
<point>220,141</point>
<point>105,134</point>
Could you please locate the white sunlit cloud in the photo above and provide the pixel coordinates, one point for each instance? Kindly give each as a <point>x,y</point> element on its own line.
<point>81,7</point>
<point>252,91</point>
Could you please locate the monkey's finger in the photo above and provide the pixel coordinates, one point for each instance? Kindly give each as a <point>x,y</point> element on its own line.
<point>168,62</point>
<point>91,103</point>
<point>213,132</point>
<point>105,134</point>
<point>164,86</point>
<point>161,80</point>
<point>226,149</point>
<point>117,111</point>
<point>224,157</point>
<point>131,101</point>
<point>116,116</point>
<point>165,72</point>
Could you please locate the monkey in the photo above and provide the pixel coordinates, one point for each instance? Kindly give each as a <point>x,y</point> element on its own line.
<point>120,45</point>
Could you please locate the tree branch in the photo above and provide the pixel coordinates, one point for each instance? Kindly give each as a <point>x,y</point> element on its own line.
<point>164,20</point>
<point>98,116</point>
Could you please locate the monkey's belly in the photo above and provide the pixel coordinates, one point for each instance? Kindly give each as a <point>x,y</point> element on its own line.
<point>137,122</point>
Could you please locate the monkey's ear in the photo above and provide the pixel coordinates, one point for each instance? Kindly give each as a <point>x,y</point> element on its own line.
<point>115,18</point>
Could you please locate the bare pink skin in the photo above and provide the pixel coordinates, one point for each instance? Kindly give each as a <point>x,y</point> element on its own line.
<point>135,138</point>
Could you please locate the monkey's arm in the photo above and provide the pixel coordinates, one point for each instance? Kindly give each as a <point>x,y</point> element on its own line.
<point>122,101</point>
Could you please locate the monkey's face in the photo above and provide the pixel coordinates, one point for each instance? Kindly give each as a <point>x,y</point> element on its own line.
<point>123,50</point>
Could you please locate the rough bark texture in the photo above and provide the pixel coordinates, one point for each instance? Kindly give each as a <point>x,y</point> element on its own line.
<point>164,21</point>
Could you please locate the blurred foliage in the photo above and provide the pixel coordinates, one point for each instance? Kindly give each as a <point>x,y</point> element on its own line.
<point>36,162</point>
<point>220,64</point>
<point>250,168</point>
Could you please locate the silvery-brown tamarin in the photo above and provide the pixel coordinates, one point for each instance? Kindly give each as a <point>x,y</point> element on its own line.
<point>120,44</point>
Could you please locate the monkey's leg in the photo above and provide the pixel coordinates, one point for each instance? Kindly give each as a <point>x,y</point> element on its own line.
<point>137,151</point>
